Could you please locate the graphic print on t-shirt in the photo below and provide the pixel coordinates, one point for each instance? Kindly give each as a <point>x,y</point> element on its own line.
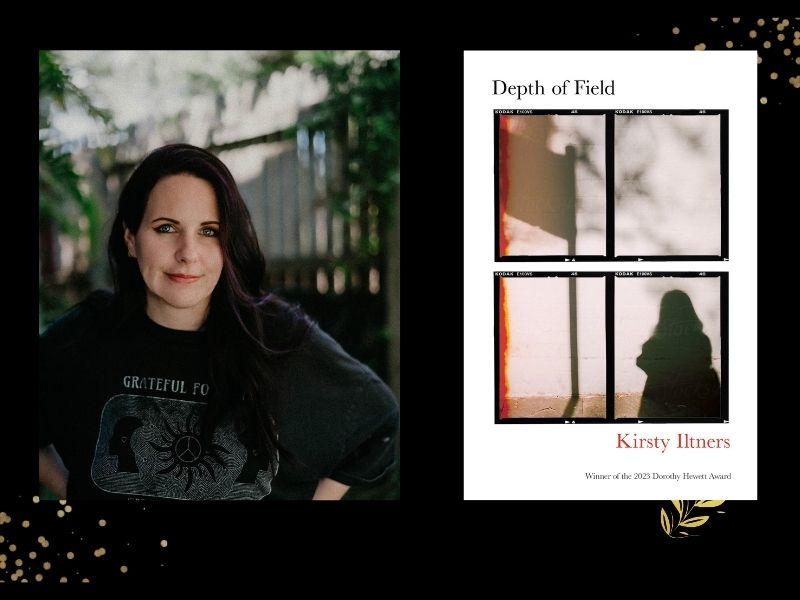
<point>151,446</point>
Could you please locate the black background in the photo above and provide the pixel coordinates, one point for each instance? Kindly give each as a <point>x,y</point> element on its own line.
<point>258,543</point>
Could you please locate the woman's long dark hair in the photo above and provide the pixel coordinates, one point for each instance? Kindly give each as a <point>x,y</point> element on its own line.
<point>248,330</point>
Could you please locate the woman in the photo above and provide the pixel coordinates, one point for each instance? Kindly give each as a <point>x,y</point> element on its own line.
<point>677,360</point>
<point>188,382</point>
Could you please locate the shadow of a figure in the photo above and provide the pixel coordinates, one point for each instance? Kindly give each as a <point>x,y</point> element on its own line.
<point>677,359</point>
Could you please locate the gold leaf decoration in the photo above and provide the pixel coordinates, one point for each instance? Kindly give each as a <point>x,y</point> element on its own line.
<point>709,503</point>
<point>665,524</point>
<point>693,522</point>
<point>685,508</point>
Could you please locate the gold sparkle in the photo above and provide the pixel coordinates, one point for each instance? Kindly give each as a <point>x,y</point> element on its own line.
<point>70,555</point>
<point>36,499</point>
<point>31,555</point>
<point>67,508</point>
<point>700,46</point>
<point>729,44</point>
<point>786,52</point>
<point>62,502</point>
<point>60,513</point>
<point>760,22</point>
<point>18,562</point>
<point>26,524</point>
<point>781,37</point>
<point>38,577</point>
<point>63,580</point>
<point>163,543</point>
<point>123,569</point>
<point>99,552</point>
<point>46,566</point>
<point>102,522</point>
<point>735,19</point>
<point>763,100</point>
<point>753,33</point>
<point>13,547</point>
<point>767,44</point>
<point>675,30</point>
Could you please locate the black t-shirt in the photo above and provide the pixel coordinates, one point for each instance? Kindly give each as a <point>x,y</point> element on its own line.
<point>124,411</point>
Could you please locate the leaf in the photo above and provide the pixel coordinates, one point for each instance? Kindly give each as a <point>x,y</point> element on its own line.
<point>679,505</point>
<point>684,533</point>
<point>709,503</point>
<point>693,522</point>
<point>665,522</point>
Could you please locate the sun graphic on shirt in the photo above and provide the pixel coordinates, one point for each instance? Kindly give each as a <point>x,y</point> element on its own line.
<point>185,450</point>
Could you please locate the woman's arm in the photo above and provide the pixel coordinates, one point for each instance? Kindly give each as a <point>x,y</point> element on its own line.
<point>52,472</point>
<point>328,489</point>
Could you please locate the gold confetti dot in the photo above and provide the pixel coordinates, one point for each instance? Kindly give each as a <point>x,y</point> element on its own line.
<point>675,30</point>
<point>773,75</point>
<point>781,37</point>
<point>2,539</point>
<point>797,34</point>
<point>735,19</point>
<point>729,44</point>
<point>38,577</point>
<point>102,522</point>
<point>85,580</point>
<point>13,547</point>
<point>19,573</point>
<point>785,22</point>
<point>3,558</point>
<point>46,566</point>
<point>123,569</point>
<point>14,577</point>
<point>99,552</point>
<point>67,508</point>
<point>787,52</point>
<point>700,46</point>
<point>163,543</point>
<point>63,580</point>
<point>70,555</point>
<point>2,566</point>
<point>760,22</point>
<point>796,41</point>
<point>60,513</point>
<point>18,562</point>
<point>714,19</point>
<point>758,60</point>
<point>62,502</point>
<point>26,524</point>
<point>31,555</point>
<point>780,26</point>
<point>45,544</point>
<point>36,499</point>
<point>797,60</point>
<point>753,33</point>
<point>763,100</point>
<point>767,44</point>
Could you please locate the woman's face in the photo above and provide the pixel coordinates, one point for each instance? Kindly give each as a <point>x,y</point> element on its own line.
<point>178,250</point>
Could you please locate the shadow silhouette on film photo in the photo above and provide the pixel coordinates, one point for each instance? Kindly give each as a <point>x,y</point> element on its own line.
<point>677,360</point>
